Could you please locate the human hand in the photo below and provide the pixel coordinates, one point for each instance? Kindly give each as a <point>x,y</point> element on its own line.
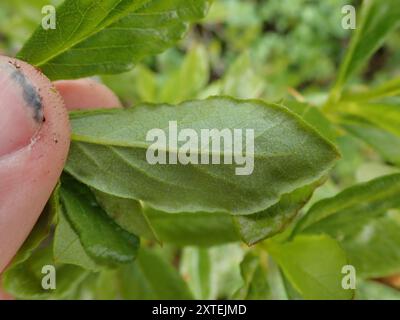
<point>34,143</point>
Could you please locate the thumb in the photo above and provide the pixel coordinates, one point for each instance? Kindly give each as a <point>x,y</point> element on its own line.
<point>34,142</point>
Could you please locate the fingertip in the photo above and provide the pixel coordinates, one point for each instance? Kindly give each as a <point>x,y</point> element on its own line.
<point>4,295</point>
<point>86,94</point>
<point>21,107</point>
<point>29,174</point>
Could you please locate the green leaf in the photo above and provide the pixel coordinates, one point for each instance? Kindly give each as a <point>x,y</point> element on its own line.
<point>127,213</point>
<point>109,38</point>
<point>387,89</point>
<point>254,273</point>
<point>212,273</point>
<point>145,84</point>
<point>67,247</point>
<point>358,203</point>
<point>277,282</point>
<point>102,239</point>
<point>103,285</point>
<point>288,154</point>
<point>361,220</point>
<point>374,169</point>
<point>376,21</point>
<point>192,228</point>
<point>107,286</point>
<point>24,280</point>
<point>241,79</point>
<point>385,116</point>
<point>384,142</point>
<point>314,117</point>
<point>313,266</point>
<point>258,226</point>
<point>352,151</point>
<point>140,83</point>
<point>226,268</point>
<point>186,82</point>
<point>374,248</point>
<point>196,267</point>
<point>152,277</point>
<point>41,229</point>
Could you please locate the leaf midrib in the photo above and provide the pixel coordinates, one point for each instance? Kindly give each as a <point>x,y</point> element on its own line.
<point>145,146</point>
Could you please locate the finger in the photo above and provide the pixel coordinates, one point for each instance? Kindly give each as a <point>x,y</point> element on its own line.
<point>34,143</point>
<point>4,295</point>
<point>86,94</point>
<point>80,94</point>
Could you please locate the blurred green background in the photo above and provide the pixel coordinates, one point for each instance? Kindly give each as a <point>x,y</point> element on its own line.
<point>251,49</point>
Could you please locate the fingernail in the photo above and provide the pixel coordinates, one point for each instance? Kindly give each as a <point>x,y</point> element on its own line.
<point>21,110</point>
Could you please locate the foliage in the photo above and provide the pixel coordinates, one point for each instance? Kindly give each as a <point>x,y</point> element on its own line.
<point>325,191</point>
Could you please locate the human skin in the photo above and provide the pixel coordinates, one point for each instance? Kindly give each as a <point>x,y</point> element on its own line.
<point>34,143</point>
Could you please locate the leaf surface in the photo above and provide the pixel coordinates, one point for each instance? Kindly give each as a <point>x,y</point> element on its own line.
<point>127,213</point>
<point>384,116</point>
<point>254,273</point>
<point>376,20</point>
<point>24,280</point>
<point>152,277</point>
<point>192,228</point>
<point>67,247</point>
<point>102,239</point>
<point>387,89</point>
<point>212,273</point>
<point>108,36</point>
<point>355,204</point>
<point>258,226</point>
<point>364,220</point>
<point>385,143</point>
<point>288,154</point>
<point>313,265</point>
<point>313,116</point>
